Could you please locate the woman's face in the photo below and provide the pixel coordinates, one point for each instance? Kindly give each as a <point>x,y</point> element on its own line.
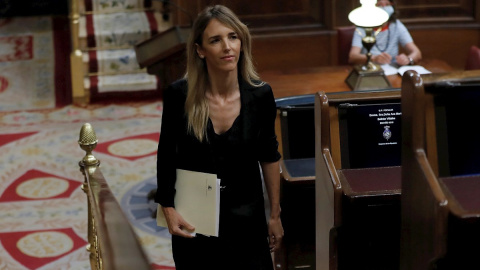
<point>220,47</point>
<point>383,3</point>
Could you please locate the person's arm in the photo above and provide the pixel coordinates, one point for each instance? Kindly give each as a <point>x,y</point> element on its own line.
<point>271,175</point>
<point>357,57</point>
<point>413,55</point>
<point>268,158</point>
<point>166,162</point>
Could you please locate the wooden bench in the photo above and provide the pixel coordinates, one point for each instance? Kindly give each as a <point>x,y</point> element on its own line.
<point>440,171</point>
<point>297,182</point>
<point>357,180</point>
<point>297,126</point>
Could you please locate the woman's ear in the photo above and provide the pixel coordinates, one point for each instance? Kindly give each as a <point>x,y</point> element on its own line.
<point>199,51</point>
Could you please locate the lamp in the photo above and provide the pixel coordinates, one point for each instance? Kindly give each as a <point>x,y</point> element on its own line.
<point>368,76</point>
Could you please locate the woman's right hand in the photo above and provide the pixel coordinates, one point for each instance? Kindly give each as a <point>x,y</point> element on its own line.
<point>176,224</point>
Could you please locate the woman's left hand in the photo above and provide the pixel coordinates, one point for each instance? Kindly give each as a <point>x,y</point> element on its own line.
<point>275,233</point>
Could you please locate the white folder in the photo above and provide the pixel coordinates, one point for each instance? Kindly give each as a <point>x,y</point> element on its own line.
<point>197,200</point>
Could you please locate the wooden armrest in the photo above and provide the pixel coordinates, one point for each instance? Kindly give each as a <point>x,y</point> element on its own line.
<point>372,180</point>
<point>464,190</point>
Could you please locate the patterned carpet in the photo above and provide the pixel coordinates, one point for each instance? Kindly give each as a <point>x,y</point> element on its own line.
<point>33,48</point>
<point>43,211</point>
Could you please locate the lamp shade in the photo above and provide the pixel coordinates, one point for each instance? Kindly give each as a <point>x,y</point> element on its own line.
<point>368,15</point>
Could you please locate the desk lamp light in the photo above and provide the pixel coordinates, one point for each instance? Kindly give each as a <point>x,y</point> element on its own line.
<point>368,76</point>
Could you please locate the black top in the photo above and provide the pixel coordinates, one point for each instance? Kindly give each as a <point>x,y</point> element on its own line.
<point>234,155</point>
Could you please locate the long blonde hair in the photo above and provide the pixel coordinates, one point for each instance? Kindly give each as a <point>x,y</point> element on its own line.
<point>196,106</point>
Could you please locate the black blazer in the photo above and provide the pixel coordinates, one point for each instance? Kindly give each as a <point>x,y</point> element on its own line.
<point>180,149</point>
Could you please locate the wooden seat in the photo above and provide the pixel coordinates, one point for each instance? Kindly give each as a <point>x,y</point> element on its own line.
<point>344,43</point>
<point>357,183</point>
<point>298,214</point>
<point>297,126</point>
<point>297,179</point>
<point>440,172</point>
<point>473,58</point>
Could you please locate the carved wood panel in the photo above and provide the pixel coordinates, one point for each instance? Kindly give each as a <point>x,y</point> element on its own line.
<point>449,45</point>
<point>428,11</point>
<point>269,15</point>
<point>13,8</point>
<point>291,34</point>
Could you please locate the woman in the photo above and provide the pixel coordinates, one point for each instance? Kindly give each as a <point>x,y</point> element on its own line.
<point>386,49</point>
<point>220,119</point>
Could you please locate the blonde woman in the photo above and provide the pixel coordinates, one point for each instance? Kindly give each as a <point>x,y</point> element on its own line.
<point>220,119</point>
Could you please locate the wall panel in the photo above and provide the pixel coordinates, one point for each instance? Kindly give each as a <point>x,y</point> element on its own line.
<point>290,34</point>
<point>275,15</point>
<point>438,10</point>
<point>13,8</point>
<point>293,51</point>
<point>450,45</point>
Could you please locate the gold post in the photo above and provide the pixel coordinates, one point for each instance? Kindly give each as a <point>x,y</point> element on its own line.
<point>76,62</point>
<point>88,141</point>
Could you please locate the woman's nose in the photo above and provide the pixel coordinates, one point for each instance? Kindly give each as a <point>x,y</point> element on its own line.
<point>227,46</point>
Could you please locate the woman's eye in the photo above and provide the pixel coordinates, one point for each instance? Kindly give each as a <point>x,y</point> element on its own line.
<point>233,37</point>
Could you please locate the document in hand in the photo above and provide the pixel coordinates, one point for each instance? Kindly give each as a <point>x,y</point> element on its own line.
<point>197,200</point>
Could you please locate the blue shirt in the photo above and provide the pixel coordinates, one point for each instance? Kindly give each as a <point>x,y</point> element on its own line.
<point>386,41</point>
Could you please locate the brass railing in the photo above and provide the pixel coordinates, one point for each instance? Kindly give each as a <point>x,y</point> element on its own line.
<point>112,241</point>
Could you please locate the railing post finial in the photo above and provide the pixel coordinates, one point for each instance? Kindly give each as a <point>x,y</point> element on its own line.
<point>88,141</point>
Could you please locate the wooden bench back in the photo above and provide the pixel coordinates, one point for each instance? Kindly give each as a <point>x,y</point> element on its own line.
<point>329,186</point>
<point>355,134</point>
<point>437,154</point>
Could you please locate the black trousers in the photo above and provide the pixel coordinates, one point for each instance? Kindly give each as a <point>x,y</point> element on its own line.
<point>243,252</point>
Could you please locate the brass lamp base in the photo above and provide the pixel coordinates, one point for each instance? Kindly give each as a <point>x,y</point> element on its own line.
<point>367,77</point>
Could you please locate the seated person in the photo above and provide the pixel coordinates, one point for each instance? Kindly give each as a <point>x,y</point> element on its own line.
<point>385,50</point>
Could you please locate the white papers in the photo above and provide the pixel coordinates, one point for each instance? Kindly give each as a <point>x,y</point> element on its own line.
<point>197,200</point>
<point>391,70</point>
<point>418,69</point>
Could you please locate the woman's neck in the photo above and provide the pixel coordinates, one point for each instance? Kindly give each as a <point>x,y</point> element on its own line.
<point>224,84</point>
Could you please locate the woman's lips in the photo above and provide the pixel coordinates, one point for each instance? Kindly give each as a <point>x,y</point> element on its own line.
<point>228,57</point>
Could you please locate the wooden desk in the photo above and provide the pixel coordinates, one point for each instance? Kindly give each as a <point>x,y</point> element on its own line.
<point>286,83</point>
<point>328,79</point>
